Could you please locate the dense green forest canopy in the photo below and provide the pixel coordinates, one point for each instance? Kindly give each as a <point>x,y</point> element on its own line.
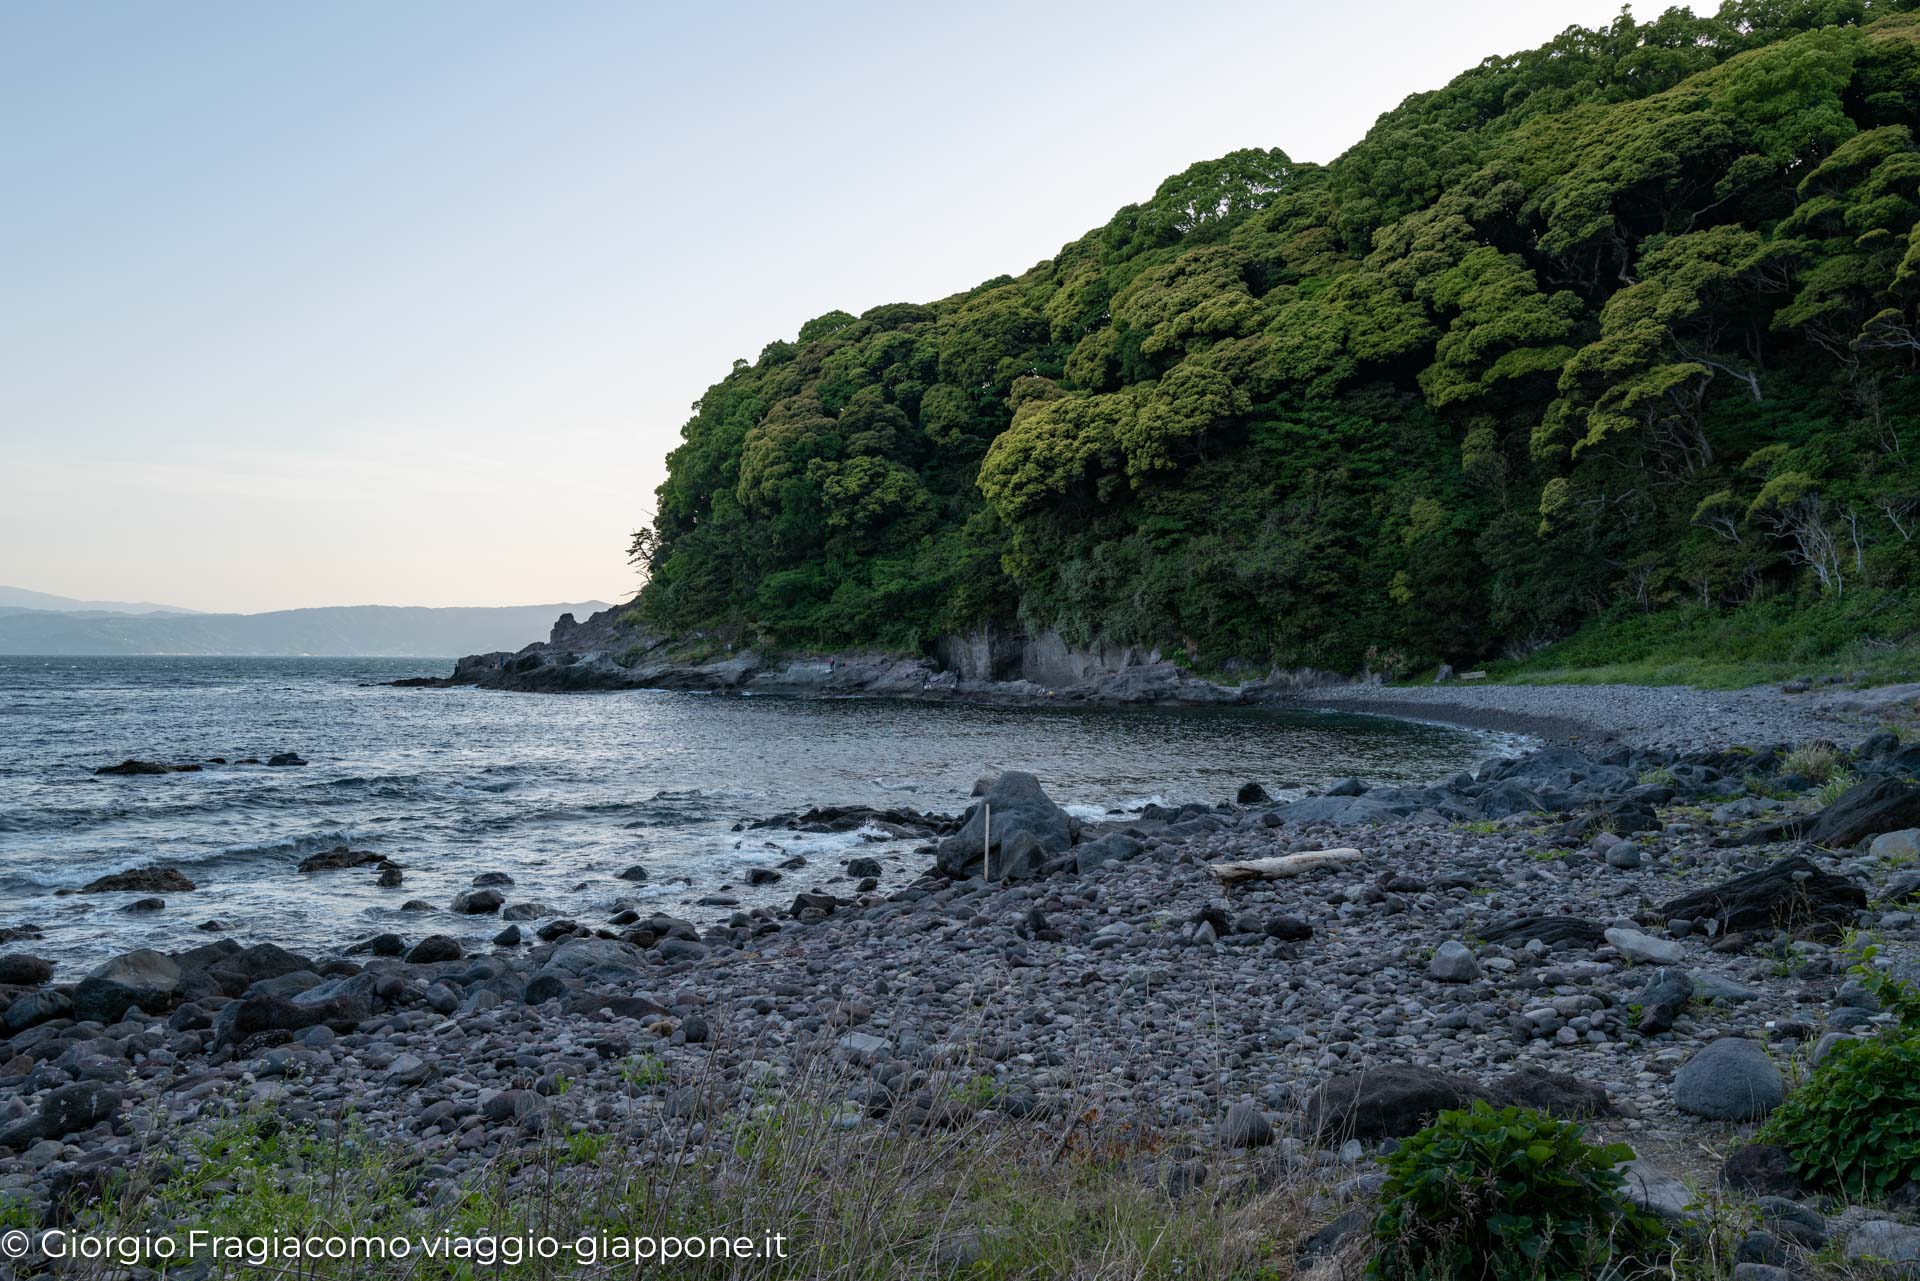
<point>1627,321</point>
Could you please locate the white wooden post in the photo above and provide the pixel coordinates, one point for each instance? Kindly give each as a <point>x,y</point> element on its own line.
<point>986,843</point>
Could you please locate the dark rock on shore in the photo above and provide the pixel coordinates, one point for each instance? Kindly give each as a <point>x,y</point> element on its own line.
<point>1866,809</point>
<point>1554,931</point>
<point>65,1110</point>
<point>1392,1101</point>
<point>1730,1080</point>
<point>241,1020</point>
<point>1762,1169</point>
<point>1792,893</point>
<point>35,1008</point>
<point>1555,1093</point>
<point>144,978</point>
<point>435,947</point>
<point>1013,806</point>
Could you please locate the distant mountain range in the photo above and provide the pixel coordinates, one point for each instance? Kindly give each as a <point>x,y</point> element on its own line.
<point>21,598</point>
<point>347,631</point>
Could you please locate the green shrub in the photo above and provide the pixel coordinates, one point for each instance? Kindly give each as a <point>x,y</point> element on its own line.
<point>1813,761</point>
<point>1838,784</point>
<point>1855,1125</point>
<point>1506,1195</point>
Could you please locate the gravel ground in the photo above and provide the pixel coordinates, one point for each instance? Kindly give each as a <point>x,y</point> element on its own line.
<point>1672,716</point>
<point>1140,987</point>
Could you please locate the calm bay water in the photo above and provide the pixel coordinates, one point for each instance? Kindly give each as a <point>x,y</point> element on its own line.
<point>560,792</point>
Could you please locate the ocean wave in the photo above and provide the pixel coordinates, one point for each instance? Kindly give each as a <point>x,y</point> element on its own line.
<point>268,855</point>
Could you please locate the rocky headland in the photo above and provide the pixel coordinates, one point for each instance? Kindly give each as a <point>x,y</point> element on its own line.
<point>611,650</point>
<point>1650,931</point>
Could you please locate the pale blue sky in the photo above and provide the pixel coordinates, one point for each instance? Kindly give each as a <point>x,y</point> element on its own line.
<point>403,304</point>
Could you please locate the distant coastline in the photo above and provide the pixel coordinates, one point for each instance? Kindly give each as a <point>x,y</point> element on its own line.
<point>344,631</point>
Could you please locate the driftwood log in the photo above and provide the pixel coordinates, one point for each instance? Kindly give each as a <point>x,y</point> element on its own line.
<point>1285,865</point>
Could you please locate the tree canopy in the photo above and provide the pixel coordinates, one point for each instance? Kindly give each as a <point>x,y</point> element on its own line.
<point>1630,318</point>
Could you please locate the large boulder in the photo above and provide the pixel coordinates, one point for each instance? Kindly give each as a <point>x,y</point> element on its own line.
<point>1507,798</point>
<point>143,978</point>
<point>604,960</point>
<point>1789,894</point>
<point>1386,1102</point>
<point>234,969</point>
<point>1014,804</point>
<point>1731,1079</point>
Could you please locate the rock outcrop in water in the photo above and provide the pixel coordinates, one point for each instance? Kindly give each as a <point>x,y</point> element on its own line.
<point>141,880</point>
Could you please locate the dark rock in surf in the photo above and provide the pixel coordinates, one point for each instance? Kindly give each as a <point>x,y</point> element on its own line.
<point>20,970</point>
<point>133,767</point>
<point>813,906</point>
<point>281,759</point>
<point>340,858</point>
<point>144,880</point>
<point>434,948</point>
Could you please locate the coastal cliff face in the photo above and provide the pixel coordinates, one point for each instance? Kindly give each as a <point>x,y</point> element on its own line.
<point>609,651</point>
